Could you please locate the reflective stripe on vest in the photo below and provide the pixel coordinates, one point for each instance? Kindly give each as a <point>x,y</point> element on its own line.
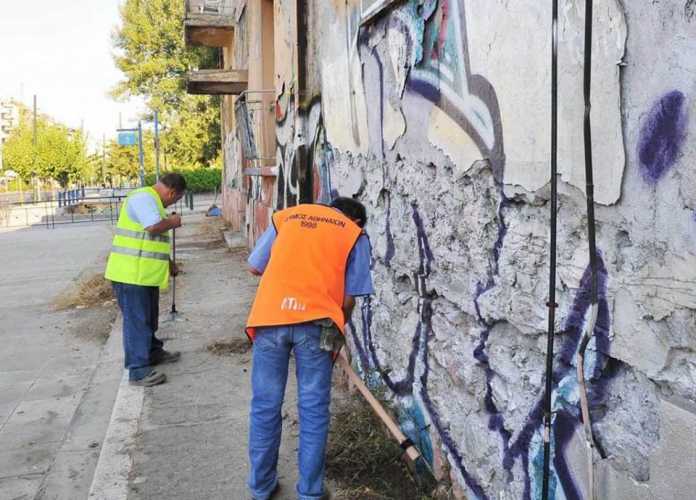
<point>140,253</point>
<point>141,235</point>
<point>138,257</point>
<point>305,276</point>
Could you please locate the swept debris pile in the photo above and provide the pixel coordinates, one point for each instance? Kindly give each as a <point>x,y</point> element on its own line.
<point>89,292</point>
<point>364,462</point>
<point>227,347</point>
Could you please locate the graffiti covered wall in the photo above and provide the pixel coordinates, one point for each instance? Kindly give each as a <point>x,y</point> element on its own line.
<point>436,115</point>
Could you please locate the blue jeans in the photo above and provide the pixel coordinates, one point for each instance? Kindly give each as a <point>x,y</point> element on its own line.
<point>140,308</point>
<point>269,375</point>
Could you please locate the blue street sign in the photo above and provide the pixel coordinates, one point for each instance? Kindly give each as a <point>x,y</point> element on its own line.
<point>127,139</point>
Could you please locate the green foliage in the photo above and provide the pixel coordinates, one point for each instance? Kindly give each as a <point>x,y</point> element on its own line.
<point>122,163</point>
<point>59,154</point>
<point>201,180</point>
<point>151,53</point>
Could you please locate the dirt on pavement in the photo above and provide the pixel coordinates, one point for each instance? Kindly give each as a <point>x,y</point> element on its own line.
<point>91,304</point>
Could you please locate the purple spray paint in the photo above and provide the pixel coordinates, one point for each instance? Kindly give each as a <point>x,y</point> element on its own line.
<point>662,135</point>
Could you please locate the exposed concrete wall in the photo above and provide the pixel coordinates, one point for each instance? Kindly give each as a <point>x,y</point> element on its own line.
<point>437,117</point>
<point>234,183</point>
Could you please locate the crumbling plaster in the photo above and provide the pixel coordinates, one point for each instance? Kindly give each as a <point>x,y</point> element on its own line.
<point>466,196</point>
<point>436,116</point>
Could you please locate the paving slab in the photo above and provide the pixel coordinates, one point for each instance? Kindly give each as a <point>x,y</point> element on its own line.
<point>37,422</point>
<point>30,460</point>
<point>70,476</point>
<point>13,391</point>
<point>6,409</point>
<point>56,388</point>
<point>91,418</point>
<point>19,488</point>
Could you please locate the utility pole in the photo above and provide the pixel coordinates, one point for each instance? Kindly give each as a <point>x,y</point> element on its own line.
<point>103,157</point>
<point>33,167</point>
<point>157,147</point>
<point>34,120</point>
<point>141,156</point>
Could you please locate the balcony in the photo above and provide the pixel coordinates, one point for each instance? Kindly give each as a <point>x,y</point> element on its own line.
<point>217,81</point>
<point>209,22</point>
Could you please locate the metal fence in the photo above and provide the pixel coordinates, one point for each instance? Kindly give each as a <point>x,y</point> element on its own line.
<point>26,196</point>
<point>72,208</point>
<point>68,210</point>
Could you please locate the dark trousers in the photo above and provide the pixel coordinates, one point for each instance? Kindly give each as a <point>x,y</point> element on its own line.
<point>140,309</point>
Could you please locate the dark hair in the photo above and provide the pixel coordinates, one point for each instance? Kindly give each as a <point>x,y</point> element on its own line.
<point>353,209</point>
<point>174,181</point>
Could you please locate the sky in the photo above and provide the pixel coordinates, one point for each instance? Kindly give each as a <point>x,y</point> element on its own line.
<point>61,51</point>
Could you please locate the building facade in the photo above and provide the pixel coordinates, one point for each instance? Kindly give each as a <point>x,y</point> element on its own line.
<point>9,120</point>
<point>436,115</point>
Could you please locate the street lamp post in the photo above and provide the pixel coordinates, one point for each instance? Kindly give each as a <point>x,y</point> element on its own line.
<point>141,154</point>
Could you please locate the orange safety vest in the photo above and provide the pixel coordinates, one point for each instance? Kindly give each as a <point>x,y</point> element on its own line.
<point>305,276</point>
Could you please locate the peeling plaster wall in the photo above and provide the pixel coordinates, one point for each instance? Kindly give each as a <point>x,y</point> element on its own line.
<point>234,184</point>
<point>437,117</point>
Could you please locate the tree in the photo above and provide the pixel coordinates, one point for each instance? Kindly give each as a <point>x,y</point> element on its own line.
<point>151,53</point>
<point>123,163</point>
<point>59,154</point>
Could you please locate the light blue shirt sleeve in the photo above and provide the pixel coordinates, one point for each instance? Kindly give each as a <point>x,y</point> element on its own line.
<point>262,250</point>
<point>143,209</point>
<point>358,274</point>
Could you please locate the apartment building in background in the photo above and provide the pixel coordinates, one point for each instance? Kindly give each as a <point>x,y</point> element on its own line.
<point>9,119</point>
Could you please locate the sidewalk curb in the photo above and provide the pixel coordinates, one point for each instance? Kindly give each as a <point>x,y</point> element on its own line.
<point>110,481</point>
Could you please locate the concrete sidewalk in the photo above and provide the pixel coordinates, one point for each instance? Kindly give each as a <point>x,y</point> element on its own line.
<point>187,439</point>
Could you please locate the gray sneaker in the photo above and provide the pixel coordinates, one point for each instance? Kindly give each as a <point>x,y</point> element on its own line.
<point>153,378</point>
<point>162,357</point>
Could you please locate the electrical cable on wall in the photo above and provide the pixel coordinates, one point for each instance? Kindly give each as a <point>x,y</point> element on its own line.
<point>591,238</point>
<point>551,304</point>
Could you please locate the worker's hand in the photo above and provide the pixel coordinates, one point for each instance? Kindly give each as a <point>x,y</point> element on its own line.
<point>173,268</point>
<point>174,220</point>
<point>348,305</point>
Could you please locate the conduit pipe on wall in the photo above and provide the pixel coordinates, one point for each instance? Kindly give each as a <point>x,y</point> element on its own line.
<point>551,304</point>
<point>591,238</point>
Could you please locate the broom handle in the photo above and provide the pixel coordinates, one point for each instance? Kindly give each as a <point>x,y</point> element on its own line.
<point>411,450</point>
<point>174,276</point>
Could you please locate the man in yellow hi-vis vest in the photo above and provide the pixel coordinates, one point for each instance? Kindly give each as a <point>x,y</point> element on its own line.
<point>139,267</point>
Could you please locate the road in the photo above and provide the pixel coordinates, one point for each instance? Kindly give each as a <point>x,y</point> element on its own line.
<point>52,411</point>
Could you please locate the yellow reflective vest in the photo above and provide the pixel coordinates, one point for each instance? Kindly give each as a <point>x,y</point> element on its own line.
<point>138,257</point>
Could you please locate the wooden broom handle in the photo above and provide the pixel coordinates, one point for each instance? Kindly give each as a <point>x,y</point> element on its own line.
<point>411,450</point>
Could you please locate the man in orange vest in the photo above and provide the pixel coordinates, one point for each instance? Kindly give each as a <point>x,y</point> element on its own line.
<point>313,261</point>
